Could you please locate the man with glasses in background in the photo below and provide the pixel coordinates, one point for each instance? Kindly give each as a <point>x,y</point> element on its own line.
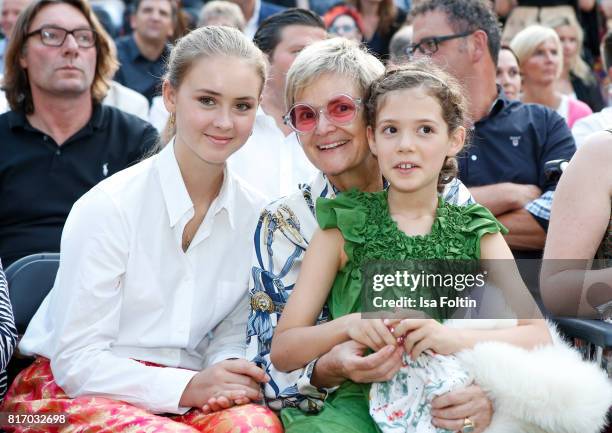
<point>58,141</point>
<point>504,167</point>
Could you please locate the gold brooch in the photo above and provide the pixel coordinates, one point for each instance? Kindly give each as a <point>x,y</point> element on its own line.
<point>261,301</point>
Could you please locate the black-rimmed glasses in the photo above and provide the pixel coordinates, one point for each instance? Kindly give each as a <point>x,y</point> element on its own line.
<point>429,46</point>
<point>54,36</point>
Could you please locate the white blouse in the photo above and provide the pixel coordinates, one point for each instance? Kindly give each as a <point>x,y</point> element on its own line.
<point>126,291</point>
<point>271,163</point>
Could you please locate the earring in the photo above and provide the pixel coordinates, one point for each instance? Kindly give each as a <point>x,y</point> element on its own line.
<point>172,119</point>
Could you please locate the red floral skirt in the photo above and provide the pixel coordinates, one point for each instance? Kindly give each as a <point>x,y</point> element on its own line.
<point>34,392</point>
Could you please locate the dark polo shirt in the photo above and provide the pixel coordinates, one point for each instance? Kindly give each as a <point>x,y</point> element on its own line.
<point>136,71</point>
<point>40,181</point>
<point>512,144</point>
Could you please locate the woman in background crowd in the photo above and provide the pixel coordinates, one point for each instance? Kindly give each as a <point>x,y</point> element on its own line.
<point>221,13</point>
<point>343,20</point>
<point>577,79</point>
<point>381,19</point>
<point>540,55</point>
<point>509,73</point>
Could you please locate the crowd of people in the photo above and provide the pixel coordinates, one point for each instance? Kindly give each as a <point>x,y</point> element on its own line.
<point>217,176</point>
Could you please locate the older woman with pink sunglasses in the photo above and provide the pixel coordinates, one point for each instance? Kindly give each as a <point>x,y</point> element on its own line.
<point>325,89</point>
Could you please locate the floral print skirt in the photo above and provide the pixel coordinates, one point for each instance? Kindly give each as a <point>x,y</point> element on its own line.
<point>34,391</point>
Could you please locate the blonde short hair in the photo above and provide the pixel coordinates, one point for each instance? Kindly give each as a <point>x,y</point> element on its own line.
<point>336,55</point>
<point>527,41</point>
<point>222,8</point>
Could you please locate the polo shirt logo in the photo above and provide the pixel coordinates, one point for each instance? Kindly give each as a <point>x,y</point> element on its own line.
<point>515,140</point>
<point>105,169</point>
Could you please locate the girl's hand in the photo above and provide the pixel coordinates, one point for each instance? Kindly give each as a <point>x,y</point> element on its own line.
<point>422,334</point>
<point>374,333</point>
<point>225,400</point>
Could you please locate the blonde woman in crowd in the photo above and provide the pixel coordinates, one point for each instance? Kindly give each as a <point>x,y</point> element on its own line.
<point>577,79</point>
<point>540,56</point>
<point>221,13</point>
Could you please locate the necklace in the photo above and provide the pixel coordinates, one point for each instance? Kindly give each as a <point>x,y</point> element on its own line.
<point>186,242</point>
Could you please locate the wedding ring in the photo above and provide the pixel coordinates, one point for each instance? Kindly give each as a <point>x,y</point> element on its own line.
<point>468,426</point>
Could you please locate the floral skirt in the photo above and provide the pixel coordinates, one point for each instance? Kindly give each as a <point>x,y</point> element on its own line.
<point>34,392</point>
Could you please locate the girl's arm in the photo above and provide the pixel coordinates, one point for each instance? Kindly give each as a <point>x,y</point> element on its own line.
<point>503,274</point>
<point>579,218</point>
<point>296,340</point>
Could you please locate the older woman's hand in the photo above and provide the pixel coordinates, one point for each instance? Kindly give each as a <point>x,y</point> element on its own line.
<point>349,360</point>
<point>450,411</point>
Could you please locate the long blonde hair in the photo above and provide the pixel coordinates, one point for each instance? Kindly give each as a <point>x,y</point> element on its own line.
<point>578,66</point>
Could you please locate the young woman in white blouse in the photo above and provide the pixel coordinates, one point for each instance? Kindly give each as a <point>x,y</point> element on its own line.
<point>148,311</point>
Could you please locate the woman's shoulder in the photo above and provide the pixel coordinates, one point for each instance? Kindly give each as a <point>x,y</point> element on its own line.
<point>355,197</point>
<point>353,206</point>
<point>597,149</point>
<point>246,196</point>
<point>578,108</point>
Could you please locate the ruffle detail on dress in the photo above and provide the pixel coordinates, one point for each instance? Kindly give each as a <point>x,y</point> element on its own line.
<point>371,234</point>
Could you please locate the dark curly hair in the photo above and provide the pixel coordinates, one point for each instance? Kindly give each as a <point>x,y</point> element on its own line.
<point>439,85</point>
<point>466,15</point>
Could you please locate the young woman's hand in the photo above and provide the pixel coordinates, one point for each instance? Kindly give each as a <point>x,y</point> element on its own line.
<point>374,333</point>
<point>422,334</point>
<point>225,400</point>
<point>224,384</point>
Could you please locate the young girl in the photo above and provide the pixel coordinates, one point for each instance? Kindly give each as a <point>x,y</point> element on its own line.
<point>144,326</point>
<point>415,149</point>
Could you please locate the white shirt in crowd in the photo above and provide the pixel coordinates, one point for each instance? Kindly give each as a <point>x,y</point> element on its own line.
<point>158,115</point>
<point>127,100</point>
<point>593,123</point>
<point>118,96</point>
<point>271,163</point>
<point>251,25</point>
<point>126,291</point>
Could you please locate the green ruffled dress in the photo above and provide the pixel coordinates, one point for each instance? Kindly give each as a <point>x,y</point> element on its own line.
<point>371,234</point>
